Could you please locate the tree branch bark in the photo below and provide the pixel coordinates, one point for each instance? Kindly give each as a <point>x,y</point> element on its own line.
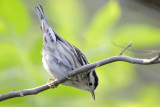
<point>81,69</point>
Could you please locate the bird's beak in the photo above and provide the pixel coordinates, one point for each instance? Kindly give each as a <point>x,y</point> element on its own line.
<point>93,95</point>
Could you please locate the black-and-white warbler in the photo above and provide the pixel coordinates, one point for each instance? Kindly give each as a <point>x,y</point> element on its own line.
<point>60,57</point>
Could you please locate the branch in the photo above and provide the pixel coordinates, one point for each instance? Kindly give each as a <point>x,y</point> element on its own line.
<point>129,45</point>
<point>81,69</point>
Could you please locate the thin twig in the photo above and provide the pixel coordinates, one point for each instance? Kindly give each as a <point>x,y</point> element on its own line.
<point>138,51</point>
<point>129,45</point>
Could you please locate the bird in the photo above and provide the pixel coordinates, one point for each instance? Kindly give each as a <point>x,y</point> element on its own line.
<point>59,57</point>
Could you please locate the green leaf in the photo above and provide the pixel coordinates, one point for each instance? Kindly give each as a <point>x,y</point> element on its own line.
<point>140,35</point>
<point>15,13</point>
<point>102,22</point>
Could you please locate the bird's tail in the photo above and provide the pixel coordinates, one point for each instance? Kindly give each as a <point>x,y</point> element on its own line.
<point>48,34</point>
<point>42,18</point>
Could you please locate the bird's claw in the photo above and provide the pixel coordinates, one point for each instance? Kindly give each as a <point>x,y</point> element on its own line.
<point>50,83</point>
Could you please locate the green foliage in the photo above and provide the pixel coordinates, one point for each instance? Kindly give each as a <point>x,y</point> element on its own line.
<point>21,44</point>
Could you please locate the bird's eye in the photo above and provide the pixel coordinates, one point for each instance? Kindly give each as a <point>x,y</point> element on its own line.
<point>90,84</point>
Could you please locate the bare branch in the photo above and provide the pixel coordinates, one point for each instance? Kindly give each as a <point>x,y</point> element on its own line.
<point>152,60</point>
<point>81,69</point>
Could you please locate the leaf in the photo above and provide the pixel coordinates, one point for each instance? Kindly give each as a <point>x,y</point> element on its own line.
<point>15,12</point>
<point>102,22</point>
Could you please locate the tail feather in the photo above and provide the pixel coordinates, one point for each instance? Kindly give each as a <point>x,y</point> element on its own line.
<point>48,34</point>
<point>42,17</point>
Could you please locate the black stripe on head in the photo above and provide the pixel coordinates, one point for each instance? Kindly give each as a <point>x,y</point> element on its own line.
<point>96,78</point>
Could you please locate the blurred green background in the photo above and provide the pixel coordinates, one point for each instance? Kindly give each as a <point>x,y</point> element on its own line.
<point>92,26</point>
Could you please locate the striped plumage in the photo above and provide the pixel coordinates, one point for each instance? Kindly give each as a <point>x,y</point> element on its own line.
<point>60,57</point>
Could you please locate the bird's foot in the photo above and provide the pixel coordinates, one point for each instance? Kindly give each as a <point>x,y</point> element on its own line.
<point>50,83</point>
